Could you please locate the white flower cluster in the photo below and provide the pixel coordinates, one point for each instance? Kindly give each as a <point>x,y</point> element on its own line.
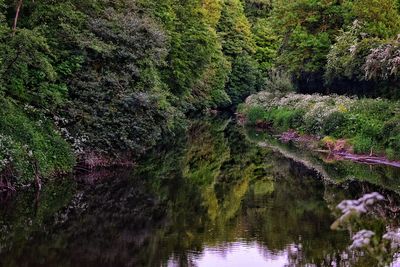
<point>5,151</point>
<point>299,101</point>
<point>316,107</point>
<point>394,238</point>
<point>350,208</point>
<point>361,239</point>
<point>383,61</point>
<point>360,205</point>
<point>77,143</point>
<point>59,120</point>
<point>30,108</point>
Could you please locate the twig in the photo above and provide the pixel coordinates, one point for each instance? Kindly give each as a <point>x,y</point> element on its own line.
<point>10,188</point>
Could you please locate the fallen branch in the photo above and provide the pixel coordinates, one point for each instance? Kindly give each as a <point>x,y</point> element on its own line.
<point>369,159</point>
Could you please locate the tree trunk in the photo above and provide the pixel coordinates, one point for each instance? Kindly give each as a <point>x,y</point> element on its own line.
<point>38,180</point>
<point>19,5</point>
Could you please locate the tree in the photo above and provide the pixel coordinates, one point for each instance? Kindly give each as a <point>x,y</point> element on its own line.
<point>267,44</point>
<point>380,18</point>
<point>234,30</point>
<point>245,78</point>
<point>307,29</point>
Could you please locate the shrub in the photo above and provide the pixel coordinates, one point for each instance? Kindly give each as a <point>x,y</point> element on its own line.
<point>391,127</point>
<point>279,82</point>
<point>379,109</point>
<point>245,78</point>
<point>390,153</point>
<point>286,118</point>
<point>363,144</point>
<point>334,123</point>
<point>342,54</point>
<point>394,142</point>
<point>255,114</point>
<point>312,125</point>
<point>363,124</point>
<point>347,57</point>
<point>27,138</point>
<point>384,62</point>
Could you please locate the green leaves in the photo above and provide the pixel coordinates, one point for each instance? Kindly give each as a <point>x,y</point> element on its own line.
<point>245,78</point>
<point>306,28</point>
<point>26,137</point>
<point>381,18</point>
<point>28,72</point>
<point>234,30</point>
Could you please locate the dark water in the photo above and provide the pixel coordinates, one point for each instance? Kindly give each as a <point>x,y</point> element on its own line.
<point>209,197</point>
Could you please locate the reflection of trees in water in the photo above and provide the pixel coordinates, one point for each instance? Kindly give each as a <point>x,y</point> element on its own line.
<point>202,190</point>
<point>103,225</point>
<point>24,219</point>
<point>242,201</point>
<point>337,171</point>
<point>295,214</point>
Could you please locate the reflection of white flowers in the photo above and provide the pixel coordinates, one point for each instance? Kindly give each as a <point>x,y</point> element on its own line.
<point>360,205</point>
<point>361,239</point>
<point>394,238</point>
<point>355,207</point>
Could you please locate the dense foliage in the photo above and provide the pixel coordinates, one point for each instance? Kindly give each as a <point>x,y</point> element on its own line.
<point>109,79</point>
<point>103,81</point>
<point>328,45</point>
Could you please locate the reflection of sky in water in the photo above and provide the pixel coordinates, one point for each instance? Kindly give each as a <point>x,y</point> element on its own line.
<point>238,254</point>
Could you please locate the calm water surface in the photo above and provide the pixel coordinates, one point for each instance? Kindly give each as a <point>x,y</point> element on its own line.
<point>209,197</point>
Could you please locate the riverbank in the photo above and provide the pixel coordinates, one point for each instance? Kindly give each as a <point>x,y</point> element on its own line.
<point>338,124</point>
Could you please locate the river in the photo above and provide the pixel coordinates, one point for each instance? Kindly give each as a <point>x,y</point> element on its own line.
<point>216,195</point>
